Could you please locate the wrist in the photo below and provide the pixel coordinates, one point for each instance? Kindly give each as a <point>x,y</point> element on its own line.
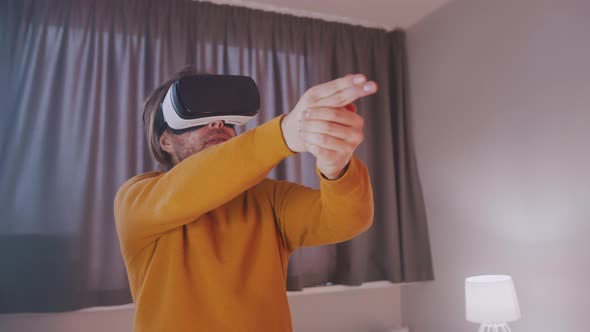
<point>286,132</point>
<point>334,175</point>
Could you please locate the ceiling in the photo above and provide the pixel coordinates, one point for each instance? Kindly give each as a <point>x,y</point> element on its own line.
<point>384,14</point>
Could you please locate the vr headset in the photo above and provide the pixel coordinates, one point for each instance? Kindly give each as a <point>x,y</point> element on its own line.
<point>194,101</point>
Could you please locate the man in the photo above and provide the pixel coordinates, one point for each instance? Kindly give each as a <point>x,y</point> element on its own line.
<point>206,242</point>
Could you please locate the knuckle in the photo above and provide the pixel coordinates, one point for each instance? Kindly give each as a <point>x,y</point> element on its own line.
<point>327,128</point>
<point>308,96</point>
<point>361,121</point>
<point>333,114</point>
<point>359,137</point>
<point>339,98</point>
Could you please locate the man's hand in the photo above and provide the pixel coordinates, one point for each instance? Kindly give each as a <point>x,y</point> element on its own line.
<point>324,122</point>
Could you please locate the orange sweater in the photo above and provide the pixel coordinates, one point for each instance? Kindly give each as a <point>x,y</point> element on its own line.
<point>206,244</point>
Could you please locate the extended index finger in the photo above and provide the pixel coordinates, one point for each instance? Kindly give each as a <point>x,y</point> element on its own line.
<point>327,89</point>
<point>348,95</point>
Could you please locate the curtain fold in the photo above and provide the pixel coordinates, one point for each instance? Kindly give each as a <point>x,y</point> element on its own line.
<point>74,77</point>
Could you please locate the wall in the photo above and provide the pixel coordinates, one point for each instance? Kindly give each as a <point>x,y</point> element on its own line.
<point>374,307</point>
<point>500,92</point>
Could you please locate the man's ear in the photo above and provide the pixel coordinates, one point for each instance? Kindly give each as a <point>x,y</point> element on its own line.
<point>166,142</point>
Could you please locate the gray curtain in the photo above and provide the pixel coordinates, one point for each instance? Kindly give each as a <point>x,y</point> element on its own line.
<point>74,76</point>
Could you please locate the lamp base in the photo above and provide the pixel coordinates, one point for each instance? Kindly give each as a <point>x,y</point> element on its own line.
<point>494,327</point>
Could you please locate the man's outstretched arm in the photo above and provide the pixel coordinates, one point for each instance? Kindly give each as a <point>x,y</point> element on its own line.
<point>153,203</point>
<point>339,211</point>
<point>325,123</point>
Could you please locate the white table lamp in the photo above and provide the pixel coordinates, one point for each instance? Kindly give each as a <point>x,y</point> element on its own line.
<point>491,300</point>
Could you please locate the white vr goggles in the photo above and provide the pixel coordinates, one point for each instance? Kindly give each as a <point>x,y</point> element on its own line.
<point>194,101</point>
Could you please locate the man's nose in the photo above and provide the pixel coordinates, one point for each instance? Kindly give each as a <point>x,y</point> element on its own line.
<point>216,124</point>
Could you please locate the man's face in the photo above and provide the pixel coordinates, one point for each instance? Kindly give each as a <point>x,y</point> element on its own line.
<point>186,144</point>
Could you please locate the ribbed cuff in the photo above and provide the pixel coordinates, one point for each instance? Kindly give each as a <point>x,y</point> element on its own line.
<point>348,181</point>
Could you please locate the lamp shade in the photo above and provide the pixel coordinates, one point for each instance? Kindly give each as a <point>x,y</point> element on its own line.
<point>491,299</point>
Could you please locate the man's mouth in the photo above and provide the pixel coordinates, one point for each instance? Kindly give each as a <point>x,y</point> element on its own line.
<point>217,140</point>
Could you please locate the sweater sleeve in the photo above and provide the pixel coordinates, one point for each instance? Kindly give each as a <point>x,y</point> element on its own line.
<point>339,211</point>
<point>153,203</point>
